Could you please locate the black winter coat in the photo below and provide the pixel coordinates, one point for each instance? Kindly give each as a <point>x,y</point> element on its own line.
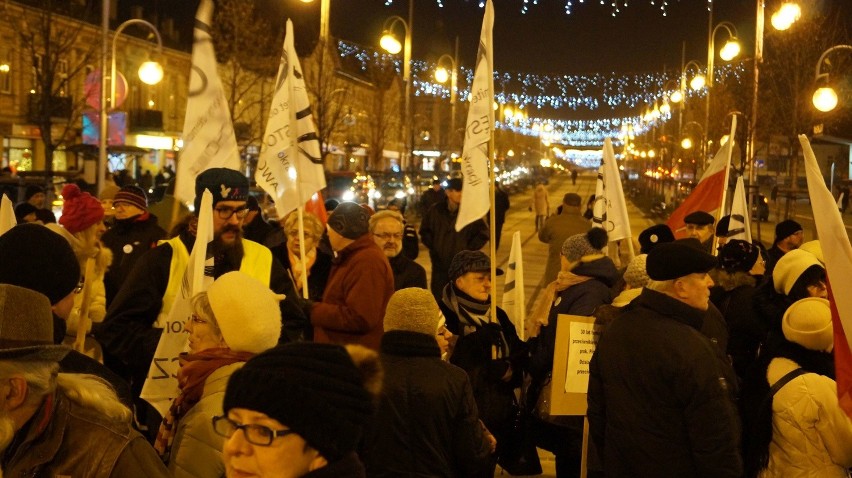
<point>427,423</point>
<point>659,400</point>
<point>406,272</point>
<point>318,275</point>
<point>129,239</point>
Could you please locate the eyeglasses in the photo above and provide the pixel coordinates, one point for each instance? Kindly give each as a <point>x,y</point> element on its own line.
<point>225,213</point>
<point>386,236</point>
<point>295,235</point>
<point>255,434</point>
<point>80,285</point>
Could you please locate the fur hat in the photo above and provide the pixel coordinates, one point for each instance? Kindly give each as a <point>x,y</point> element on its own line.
<point>635,275</point>
<point>677,259</point>
<point>808,323</point>
<point>80,210</point>
<point>225,184</point>
<point>319,391</point>
<point>790,267</point>
<point>46,264</point>
<point>656,234</point>
<point>738,255</point>
<point>349,220</point>
<point>412,310</point>
<point>246,311</point>
<point>589,243</point>
<point>133,195</point>
<point>26,326</point>
<point>785,229</point>
<point>815,248</point>
<point>699,218</point>
<point>469,261</point>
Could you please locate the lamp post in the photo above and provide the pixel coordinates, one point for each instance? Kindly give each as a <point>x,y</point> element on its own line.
<point>442,76</point>
<point>825,98</point>
<point>728,52</point>
<point>390,44</point>
<point>150,73</point>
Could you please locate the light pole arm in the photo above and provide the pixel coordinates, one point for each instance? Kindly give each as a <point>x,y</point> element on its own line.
<point>121,28</point>
<point>819,76</point>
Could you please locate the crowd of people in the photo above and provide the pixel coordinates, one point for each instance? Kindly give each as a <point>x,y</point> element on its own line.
<point>319,348</point>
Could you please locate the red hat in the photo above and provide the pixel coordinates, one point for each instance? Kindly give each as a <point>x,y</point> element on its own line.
<point>80,210</point>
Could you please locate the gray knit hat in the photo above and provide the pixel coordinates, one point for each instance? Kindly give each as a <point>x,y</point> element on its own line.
<point>412,310</point>
<point>588,243</point>
<point>635,275</point>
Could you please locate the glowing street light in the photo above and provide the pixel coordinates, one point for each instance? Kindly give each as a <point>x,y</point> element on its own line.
<point>391,44</point>
<point>784,18</point>
<point>825,98</point>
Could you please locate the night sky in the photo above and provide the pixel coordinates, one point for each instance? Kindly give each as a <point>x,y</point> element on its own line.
<point>545,40</point>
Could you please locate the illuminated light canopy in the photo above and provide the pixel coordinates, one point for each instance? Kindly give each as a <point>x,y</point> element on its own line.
<point>442,75</point>
<point>390,43</point>
<point>730,50</point>
<point>151,72</point>
<point>697,82</point>
<point>786,16</point>
<point>825,99</point>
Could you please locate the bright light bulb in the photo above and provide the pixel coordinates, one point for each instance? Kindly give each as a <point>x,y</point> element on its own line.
<point>442,75</point>
<point>508,112</point>
<point>686,143</point>
<point>676,97</point>
<point>665,108</point>
<point>390,44</point>
<point>697,82</point>
<point>730,50</point>
<point>786,16</point>
<point>150,73</point>
<point>825,99</point>
<point>652,153</point>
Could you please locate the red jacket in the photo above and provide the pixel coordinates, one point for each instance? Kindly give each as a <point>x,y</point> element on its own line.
<point>357,292</point>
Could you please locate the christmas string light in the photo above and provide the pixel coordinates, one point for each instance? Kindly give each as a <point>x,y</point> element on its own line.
<point>615,5</point>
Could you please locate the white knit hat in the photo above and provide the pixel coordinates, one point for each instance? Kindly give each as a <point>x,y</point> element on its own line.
<point>790,267</point>
<point>413,310</point>
<point>808,323</point>
<point>247,312</point>
<point>815,248</point>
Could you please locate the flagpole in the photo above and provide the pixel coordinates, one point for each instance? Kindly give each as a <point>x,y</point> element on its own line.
<point>721,211</point>
<point>492,215</point>
<point>297,180</point>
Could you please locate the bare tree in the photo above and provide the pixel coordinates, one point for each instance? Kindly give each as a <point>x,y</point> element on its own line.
<point>328,94</point>
<point>52,44</point>
<point>385,112</point>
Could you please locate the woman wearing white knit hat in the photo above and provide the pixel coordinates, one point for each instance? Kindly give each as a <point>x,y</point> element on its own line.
<point>796,427</point>
<point>235,319</point>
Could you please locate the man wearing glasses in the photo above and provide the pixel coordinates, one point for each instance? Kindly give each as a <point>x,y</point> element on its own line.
<point>128,335</point>
<point>388,233</point>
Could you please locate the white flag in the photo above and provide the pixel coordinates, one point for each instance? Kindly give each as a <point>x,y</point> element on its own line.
<point>290,166</point>
<point>161,385</point>
<point>740,225</point>
<point>208,133</point>
<point>480,120</point>
<point>514,299</point>
<point>7,215</point>
<point>610,209</point>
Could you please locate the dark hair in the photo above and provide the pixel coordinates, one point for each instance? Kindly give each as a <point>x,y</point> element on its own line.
<point>597,237</point>
<point>813,275</point>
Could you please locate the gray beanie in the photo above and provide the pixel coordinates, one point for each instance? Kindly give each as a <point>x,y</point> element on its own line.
<point>412,310</point>
<point>586,244</point>
<point>349,220</point>
<point>635,275</point>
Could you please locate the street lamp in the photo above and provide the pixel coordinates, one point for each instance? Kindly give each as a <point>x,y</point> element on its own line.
<point>730,50</point>
<point>442,76</point>
<point>391,44</point>
<point>150,72</point>
<point>825,98</point>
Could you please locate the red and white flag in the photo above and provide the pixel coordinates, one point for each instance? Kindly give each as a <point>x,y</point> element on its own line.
<point>709,193</point>
<point>208,132</point>
<point>476,199</point>
<point>838,265</point>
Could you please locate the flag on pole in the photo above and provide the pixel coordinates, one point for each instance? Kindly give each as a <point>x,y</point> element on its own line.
<point>316,206</point>
<point>290,175</point>
<point>161,385</point>
<point>7,215</point>
<point>709,193</point>
<point>514,299</point>
<point>740,225</point>
<point>838,265</point>
<point>610,209</point>
<point>208,133</point>
<point>480,120</point>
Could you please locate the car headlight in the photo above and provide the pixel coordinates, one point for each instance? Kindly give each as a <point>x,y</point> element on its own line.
<point>410,191</point>
<point>377,194</point>
<point>348,196</point>
<point>399,194</point>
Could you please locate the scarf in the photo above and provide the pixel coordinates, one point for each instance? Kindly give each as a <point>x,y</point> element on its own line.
<point>538,317</point>
<point>296,266</point>
<point>474,315</point>
<point>193,373</point>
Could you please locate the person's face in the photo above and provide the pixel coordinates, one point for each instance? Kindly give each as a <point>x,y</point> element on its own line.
<point>702,233</point>
<point>818,289</point>
<point>311,240</point>
<point>759,267</point>
<point>31,217</point>
<point>795,240</point>
<point>228,231</point>
<point>443,337</point>
<point>250,216</point>
<point>202,334</point>
<point>37,200</point>
<point>63,308</point>
<point>722,240</point>
<point>475,284</point>
<point>454,196</point>
<point>125,210</point>
<point>286,457</point>
<point>388,236</point>
<point>100,229</point>
<point>337,241</point>
<point>694,290</point>
<point>436,187</point>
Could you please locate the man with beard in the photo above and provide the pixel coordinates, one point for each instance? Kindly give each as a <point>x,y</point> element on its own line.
<point>388,232</point>
<point>134,233</point>
<point>128,335</point>
<point>53,423</point>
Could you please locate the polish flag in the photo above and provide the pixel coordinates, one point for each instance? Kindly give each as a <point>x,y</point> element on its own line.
<point>838,265</point>
<point>709,193</point>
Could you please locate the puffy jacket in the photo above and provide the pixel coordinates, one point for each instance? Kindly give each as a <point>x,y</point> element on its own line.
<point>811,435</point>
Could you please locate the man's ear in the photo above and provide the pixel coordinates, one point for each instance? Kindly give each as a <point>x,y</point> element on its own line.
<point>14,392</point>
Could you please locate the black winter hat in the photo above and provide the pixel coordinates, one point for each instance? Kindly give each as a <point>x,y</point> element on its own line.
<point>34,257</point>
<point>133,195</point>
<point>677,259</point>
<point>469,261</point>
<point>225,184</point>
<point>654,235</point>
<point>23,210</point>
<point>455,184</point>
<point>314,389</point>
<point>738,255</point>
<point>349,220</point>
<point>785,229</point>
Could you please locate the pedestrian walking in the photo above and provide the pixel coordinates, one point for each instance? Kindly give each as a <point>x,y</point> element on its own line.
<point>540,205</point>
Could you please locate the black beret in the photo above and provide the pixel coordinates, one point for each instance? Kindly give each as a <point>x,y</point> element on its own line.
<point>699,218</point>
<point>677,259</point>
<point>654,235</point>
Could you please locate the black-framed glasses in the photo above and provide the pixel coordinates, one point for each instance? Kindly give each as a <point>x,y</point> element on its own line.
<point>80,285</point>
<point>225,212</point>
<point>386,236</point>
<point>255,434</point>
